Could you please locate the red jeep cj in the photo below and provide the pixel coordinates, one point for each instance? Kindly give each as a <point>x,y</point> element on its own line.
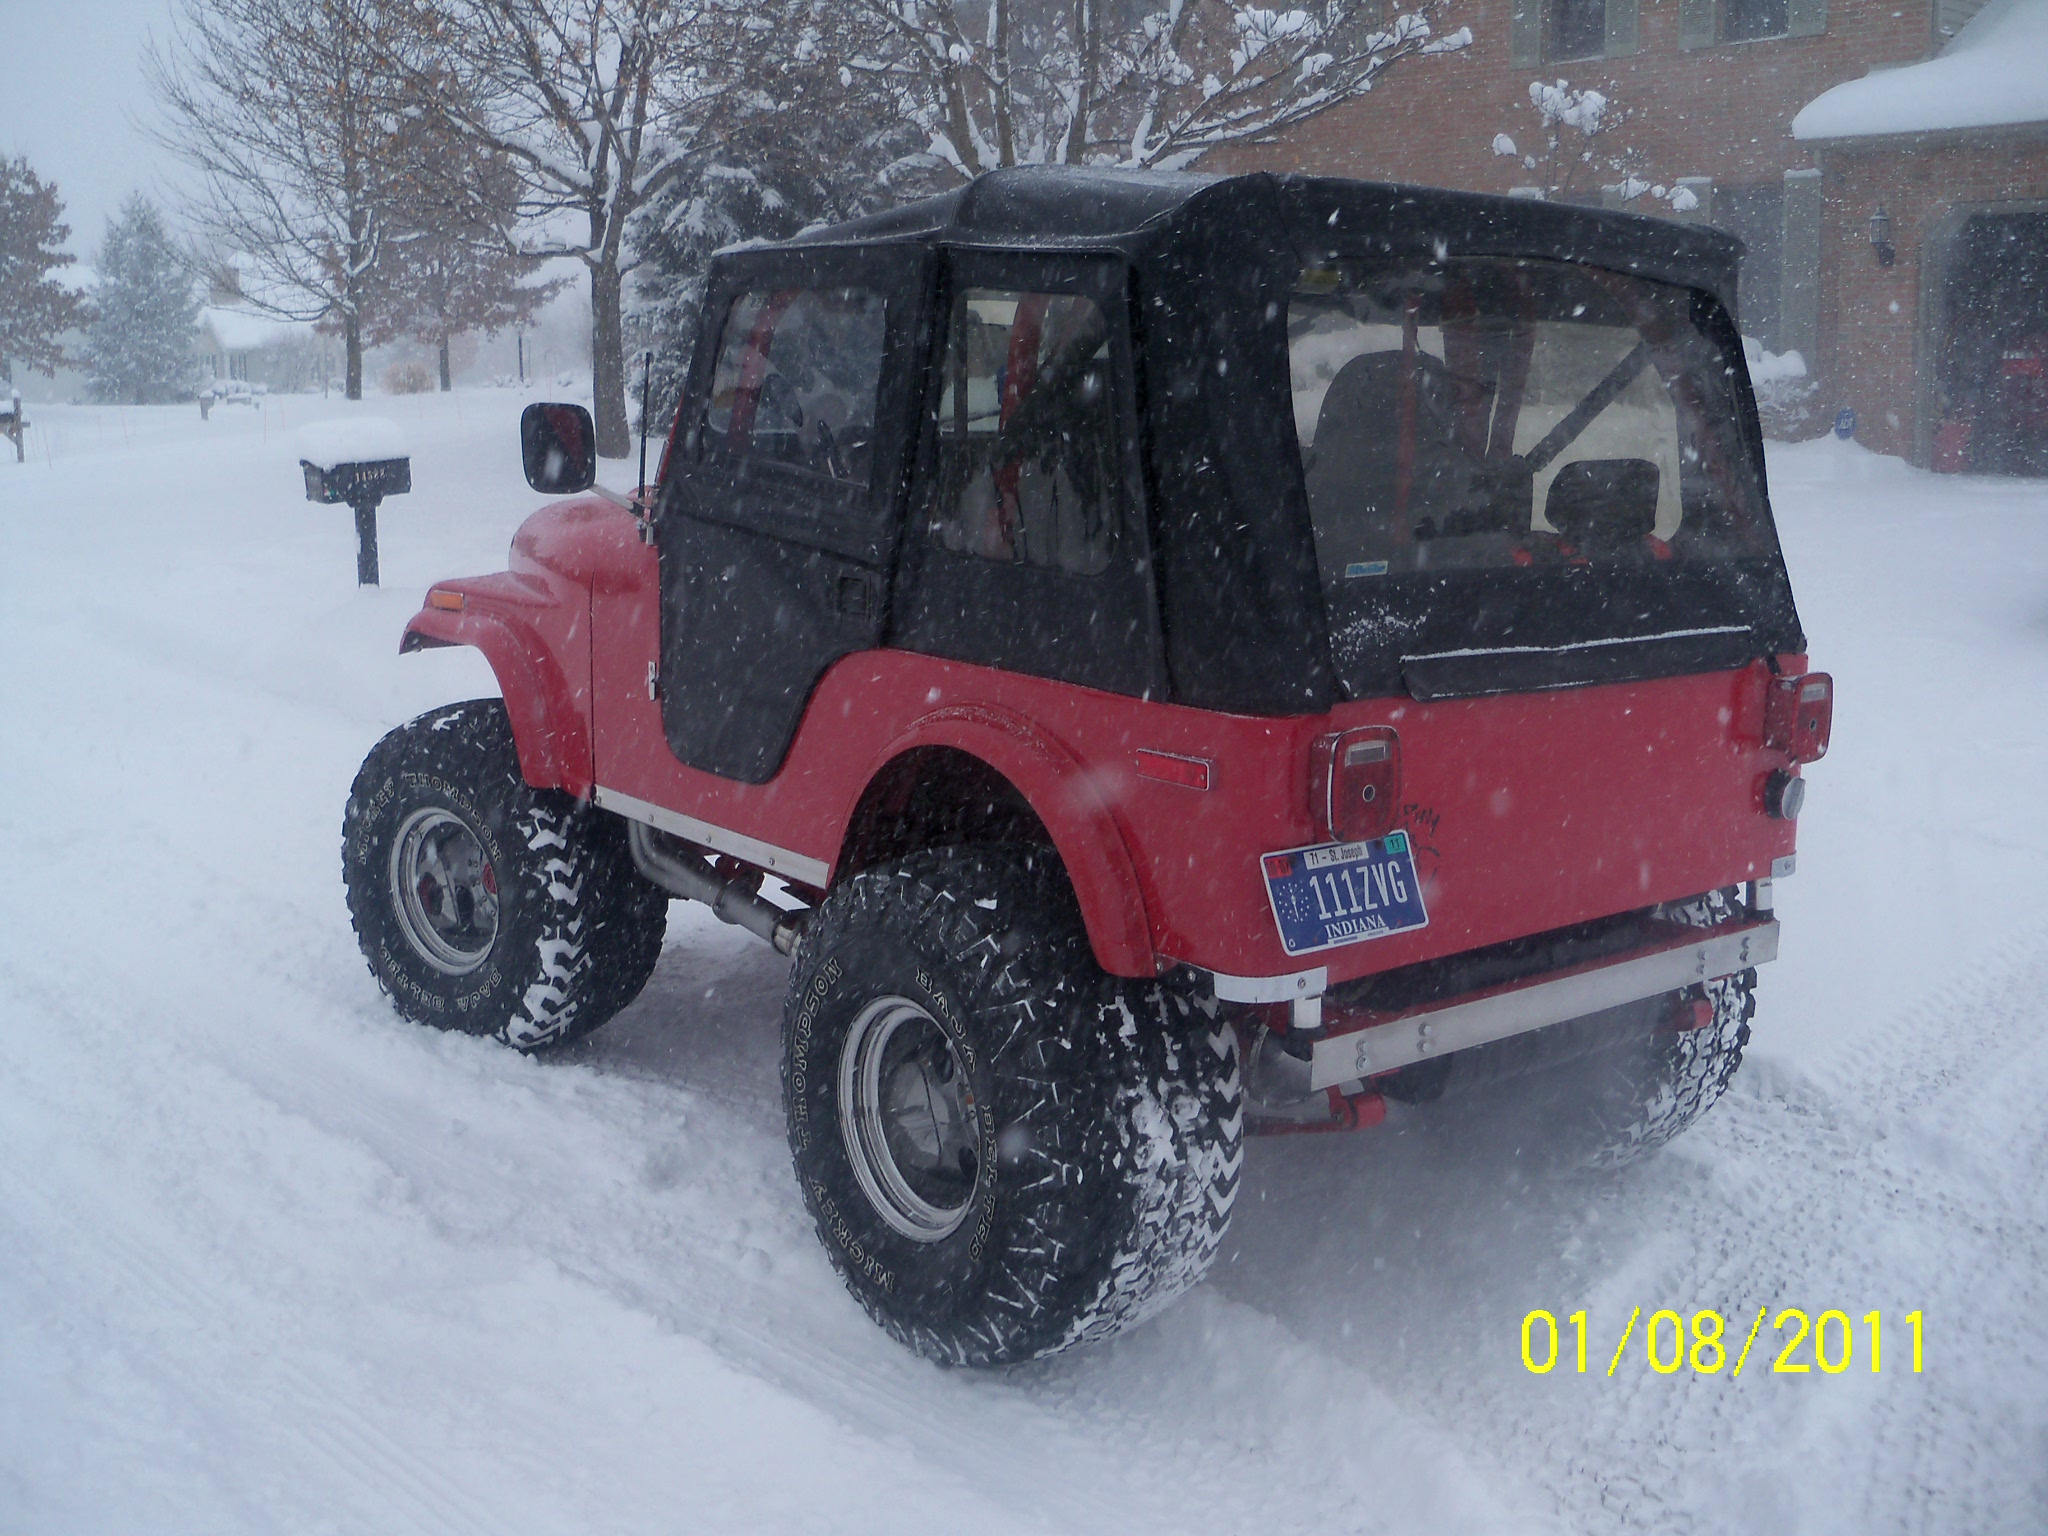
<point>1168,657</point>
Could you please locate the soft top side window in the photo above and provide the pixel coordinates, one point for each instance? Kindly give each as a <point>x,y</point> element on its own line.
<point>1028,462</point>
<point>796,381</point>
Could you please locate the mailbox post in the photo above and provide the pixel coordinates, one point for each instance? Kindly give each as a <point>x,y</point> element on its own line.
<point>13,424</point>
<point>354,462</point>
<point>362,486</point>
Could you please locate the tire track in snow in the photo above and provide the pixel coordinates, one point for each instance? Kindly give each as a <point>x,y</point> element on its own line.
<point>189,1297</point>
<point>1907,1181</point>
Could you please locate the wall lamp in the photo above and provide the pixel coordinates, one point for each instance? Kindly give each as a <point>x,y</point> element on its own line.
<point>1881,236</point>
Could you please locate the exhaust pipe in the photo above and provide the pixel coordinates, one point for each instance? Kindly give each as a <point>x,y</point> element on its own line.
<point>686,875</point>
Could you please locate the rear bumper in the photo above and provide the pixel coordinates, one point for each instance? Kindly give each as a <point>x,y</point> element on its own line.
<point>1364,1042</point>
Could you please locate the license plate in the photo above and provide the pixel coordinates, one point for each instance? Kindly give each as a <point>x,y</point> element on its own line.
<point>1344,893</point>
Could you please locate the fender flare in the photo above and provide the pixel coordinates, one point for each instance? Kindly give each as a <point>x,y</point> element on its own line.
<point>550,721</point>
<point>1067,799</point>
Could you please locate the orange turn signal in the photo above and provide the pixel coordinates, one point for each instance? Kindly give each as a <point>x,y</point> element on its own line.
<point>441,597</point>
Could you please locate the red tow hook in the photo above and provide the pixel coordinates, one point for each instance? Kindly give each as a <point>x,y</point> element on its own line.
<point>1688,1013</point>
<point>1348,1112</point>
<point>1355,1111</point>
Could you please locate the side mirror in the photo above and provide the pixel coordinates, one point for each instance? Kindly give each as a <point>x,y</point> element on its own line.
<point>559,447</point>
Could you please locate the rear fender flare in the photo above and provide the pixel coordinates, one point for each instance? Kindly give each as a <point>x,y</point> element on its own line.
<point>1066,798</point>
<point>550,723</point>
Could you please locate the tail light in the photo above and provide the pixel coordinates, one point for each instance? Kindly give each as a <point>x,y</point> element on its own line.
<point>1356,783</point>
<point>1799,716</point>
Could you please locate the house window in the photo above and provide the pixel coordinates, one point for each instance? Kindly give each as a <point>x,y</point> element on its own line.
<point>1578,29</point>
<point>1745,20</point>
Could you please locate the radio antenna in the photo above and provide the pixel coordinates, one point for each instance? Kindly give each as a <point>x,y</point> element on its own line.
<point>646,399</point>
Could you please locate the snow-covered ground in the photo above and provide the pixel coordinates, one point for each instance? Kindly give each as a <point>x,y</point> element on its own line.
<point>272,1260</point>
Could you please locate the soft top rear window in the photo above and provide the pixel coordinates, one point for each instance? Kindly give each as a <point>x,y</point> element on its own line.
<point>1567,439</point>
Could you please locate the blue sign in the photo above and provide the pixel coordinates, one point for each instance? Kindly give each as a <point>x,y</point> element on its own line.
<point>1344,893</point>
<point>1845,423</point>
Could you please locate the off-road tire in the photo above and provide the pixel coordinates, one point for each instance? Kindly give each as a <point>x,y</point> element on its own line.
<point>1677,1075</point>
<point>1106,1116</point>
<point>577,930</point>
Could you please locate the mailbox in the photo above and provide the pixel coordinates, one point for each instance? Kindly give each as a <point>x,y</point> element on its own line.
<point>358,460</point>
<point>353,482</point>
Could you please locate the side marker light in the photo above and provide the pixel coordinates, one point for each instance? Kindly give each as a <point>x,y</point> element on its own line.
<point>1171,768</point>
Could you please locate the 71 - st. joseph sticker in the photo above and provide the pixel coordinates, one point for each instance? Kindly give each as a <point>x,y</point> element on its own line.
<point>1344,893</point>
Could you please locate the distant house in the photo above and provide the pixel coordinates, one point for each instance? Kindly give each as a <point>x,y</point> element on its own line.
<point>240,344</point>
<point>1947,159</point>
<point>1884,161</point>
<point>237,342</point>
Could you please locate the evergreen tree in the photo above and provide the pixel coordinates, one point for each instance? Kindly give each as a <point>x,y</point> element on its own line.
<point>34,310</point>
<point>797,141</point>
<point>138,346</point>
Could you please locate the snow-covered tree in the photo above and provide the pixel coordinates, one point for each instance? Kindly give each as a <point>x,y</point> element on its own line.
<point>575,96</point>
<point>783,138</point>
<point>138,344</point>
<point>34,308</point>
<point>1582,155</point>
<point>282,108</point>
<point>995,83</point>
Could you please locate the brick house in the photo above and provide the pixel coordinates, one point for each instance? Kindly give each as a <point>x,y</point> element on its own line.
<point>1948,136</point>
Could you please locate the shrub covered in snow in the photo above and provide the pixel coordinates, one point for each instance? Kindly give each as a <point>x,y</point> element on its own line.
<point>407,379</point>
<point>1785,394</point>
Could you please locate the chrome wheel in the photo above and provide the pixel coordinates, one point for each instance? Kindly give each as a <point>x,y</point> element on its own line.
<point>907,1113</point>
<point>445,891</point>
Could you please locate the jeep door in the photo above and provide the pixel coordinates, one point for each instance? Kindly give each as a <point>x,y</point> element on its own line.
<point>780,509</point>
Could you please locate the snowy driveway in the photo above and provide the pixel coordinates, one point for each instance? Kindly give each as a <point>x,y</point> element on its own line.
<point>273,1261</point>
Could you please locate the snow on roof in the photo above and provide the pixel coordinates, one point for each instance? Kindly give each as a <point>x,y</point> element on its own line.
<point>242,330</point>
<point>351,440</point>
<point>1992,74</point>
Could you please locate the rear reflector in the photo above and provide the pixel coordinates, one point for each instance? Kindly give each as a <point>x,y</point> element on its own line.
<point>1799,716</point>
<point>1170,768</point>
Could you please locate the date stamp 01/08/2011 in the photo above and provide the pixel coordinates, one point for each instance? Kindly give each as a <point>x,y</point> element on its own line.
<point>1672,1342</point>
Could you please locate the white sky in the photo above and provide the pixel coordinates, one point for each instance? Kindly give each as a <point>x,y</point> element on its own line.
<point>73,101</point>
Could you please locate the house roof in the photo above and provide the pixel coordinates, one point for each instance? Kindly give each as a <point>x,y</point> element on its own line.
<point>1992,74</point>
<point>242,330</point>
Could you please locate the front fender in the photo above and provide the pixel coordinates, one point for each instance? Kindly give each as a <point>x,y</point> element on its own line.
<point>537,640</point>
<point>1067,800</point>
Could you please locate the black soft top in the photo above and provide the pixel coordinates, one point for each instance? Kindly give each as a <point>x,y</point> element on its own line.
<point>1214,263</point>
<point>1144,214</point>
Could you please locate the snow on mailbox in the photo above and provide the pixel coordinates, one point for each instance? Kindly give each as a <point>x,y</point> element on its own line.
<point>359,460</point>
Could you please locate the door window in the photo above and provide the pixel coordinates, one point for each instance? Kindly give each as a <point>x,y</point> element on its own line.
<point>1028,464</point>
<point>795,384</point>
